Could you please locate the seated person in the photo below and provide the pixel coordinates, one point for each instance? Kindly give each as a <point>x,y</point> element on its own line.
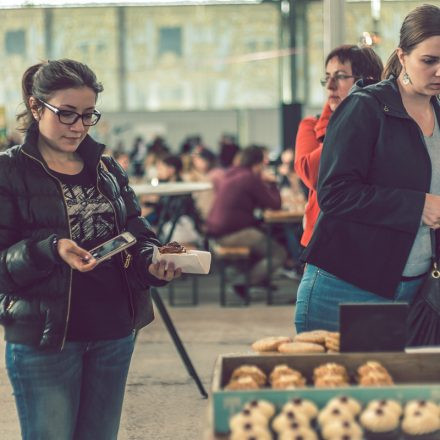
<point>231,220</point>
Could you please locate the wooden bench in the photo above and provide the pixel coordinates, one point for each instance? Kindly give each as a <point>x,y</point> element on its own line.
<point>225,255</point>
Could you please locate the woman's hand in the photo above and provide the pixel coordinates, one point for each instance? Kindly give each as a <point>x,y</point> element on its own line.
<point>158,270</point>
<point>431,211</point>
<point>76,257</point>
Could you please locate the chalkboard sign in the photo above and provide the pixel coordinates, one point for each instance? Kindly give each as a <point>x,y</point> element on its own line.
<point>373,326</point>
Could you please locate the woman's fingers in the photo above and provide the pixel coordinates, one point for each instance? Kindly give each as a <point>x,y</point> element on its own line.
<point>163,272</point>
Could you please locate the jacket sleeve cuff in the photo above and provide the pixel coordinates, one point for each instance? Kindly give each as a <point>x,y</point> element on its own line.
<point>45,252</point>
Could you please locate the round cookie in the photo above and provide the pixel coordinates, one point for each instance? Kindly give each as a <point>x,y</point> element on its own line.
<point>421,424</point>
<point>314,336</point>
<point>346,402</point>
<point>375,378</point>
<point>254,433</point>
<point>379,423</point>
<point>282,369</point>
<point>371,366</point>
<point>300,347</point>
<point>285,419</point>
<point>246,419</point>
<point>300,434</point>
<point>330,368</point>
<point>387,405</point>
<point>305,406</point>
<point>266,408</point>
<point>252,371</point>
<point>338,428</point>
<point>242,383</point>
<point>330,414</point>
<point>421,405</point>
<point>270,343</point>
<point>331,381</point>
<point>288,381</point>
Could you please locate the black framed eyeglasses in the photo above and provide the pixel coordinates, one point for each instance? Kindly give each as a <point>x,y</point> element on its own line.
<point>338,77</point>
<point>69,117</point>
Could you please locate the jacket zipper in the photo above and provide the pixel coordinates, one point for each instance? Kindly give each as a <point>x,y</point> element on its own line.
<point>126,262</point>
<point>69,297</point>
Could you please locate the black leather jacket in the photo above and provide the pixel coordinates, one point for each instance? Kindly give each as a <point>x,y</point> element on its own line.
<point>35,285</point>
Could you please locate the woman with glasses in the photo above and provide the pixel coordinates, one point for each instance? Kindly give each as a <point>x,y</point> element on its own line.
<point>69,322</point>
<point>343,66</point>
<point>379,184</point>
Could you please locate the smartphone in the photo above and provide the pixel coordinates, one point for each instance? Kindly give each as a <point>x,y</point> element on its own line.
<point>113,246</point>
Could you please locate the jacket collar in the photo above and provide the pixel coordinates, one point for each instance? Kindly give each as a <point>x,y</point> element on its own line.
<point>90,150</point>
<point>388,94</point>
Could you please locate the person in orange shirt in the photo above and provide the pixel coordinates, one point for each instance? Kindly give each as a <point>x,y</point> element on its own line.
<point>343,66</point>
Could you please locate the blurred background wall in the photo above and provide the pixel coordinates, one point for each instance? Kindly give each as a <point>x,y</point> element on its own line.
<point>181,70</point>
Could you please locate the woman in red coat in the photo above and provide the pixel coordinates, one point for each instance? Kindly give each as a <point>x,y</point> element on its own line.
<point>343,66</point>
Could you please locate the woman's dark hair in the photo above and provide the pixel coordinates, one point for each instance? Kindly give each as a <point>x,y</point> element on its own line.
<point>43,79</point>
<point>173,161</point>
<point>252,155</point>
<point>227,153</point>
<point>421,23</point>
<point>365,63</point>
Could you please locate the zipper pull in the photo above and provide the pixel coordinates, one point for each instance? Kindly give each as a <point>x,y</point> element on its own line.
<point>127,261</point>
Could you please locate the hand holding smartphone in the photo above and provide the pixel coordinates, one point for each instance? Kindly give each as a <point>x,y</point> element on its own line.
<point>113,246</point>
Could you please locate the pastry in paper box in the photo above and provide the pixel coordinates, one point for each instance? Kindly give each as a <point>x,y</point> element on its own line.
<point>190,261</point>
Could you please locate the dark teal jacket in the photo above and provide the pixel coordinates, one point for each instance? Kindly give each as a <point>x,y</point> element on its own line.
<point>374,173</point>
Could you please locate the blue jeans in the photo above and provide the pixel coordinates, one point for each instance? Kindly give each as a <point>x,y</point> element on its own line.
<point>73,394</point>
<point>320,293</point>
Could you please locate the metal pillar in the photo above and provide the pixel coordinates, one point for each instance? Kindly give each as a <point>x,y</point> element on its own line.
<point>334,28</point>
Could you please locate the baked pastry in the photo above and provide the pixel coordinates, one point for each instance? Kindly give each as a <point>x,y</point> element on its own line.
<point>380,424</point>
<point>300,347</point>
<point>421,405</point>
<point>421,424</point>
<point>339,428</point>
<point>331,414</point>
<point>172,248</point>
<point>251,433</point>
<point>266,408</point>
<point>371,366</point>
<point>305,406</point>
<point>250,370</point>
<point>288,381</point>
<point>270,343</point>
<point>345,402</point>
<point>331,381</point>
<point>375,378</point>
<point>281,370</point>
<point>245,419</point>
<point>330,368</point>
<point>302,433</point>
<point>314,336</point>
<point>387,405</point>
<point>242,383</point>
<point>332,342</point>
<point>283,420</point>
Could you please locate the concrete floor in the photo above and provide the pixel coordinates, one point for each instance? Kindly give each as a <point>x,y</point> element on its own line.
<point>162,401</point>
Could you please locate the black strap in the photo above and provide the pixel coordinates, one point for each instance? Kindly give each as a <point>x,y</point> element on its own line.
<point>434,253</point>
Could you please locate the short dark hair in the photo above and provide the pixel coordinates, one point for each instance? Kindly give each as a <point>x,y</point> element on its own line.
<point>420,24</point>
<point>43,79</point>
<point>252,155</point>
<point>365,63</point>
<point>173,161</point>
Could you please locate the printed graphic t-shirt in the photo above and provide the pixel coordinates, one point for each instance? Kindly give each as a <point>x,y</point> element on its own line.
<point>99,308</point>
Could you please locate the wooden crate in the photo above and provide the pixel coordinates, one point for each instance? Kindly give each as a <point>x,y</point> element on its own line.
<point>416,376</point>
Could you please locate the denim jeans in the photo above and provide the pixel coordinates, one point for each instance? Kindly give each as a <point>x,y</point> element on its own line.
<point>73,394</point>
<point>320,293</point>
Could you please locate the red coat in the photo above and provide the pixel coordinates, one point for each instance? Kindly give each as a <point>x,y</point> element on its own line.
<point>308,148</point>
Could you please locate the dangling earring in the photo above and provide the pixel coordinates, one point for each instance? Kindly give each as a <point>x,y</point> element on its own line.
<point>406,79</point>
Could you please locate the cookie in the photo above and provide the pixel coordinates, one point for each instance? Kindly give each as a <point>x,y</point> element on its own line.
<point>281,370</point>
<point>314,336</point>
<point>250,370</point>
<point>330,368</point>
<point>346,402</point>
<point>305,406</point>
<point>379,421</point>
<point>263,406</point>
<point>251,432</point>
<point>301,347</point>
<point>288,381</point>
<point>270,344</point>
<point>371,366</point>
<point>242,383</point>
<point>284,419</point>
<point>302,433</point>
<point>375,378</point>
<point>331,381</point>
<point>421,423</point>
<point>387,405</point>
<point>340,427</point>
<point>246,419</point>
<point>331,414</point>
